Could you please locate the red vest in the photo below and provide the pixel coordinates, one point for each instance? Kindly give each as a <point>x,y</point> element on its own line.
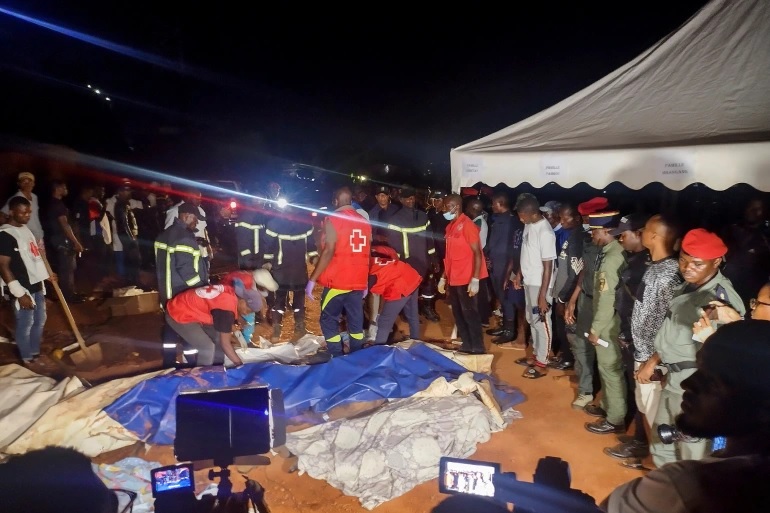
<point>195,305</point>
<point>395,279</point>
<point>349,267</point>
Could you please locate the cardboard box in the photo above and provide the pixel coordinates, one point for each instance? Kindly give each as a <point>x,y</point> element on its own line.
<point>147,302</point>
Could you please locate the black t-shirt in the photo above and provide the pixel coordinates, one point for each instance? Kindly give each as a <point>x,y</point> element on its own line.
<point>56,209</point>
<point>629,289</point>
<point>10,248</point>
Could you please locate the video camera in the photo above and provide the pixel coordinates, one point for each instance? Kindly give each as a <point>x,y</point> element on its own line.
<point>217,426</point>
<point>550,491</point>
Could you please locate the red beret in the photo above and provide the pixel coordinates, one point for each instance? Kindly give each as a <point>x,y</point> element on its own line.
<point>593,205</point>
<point>701,243</point>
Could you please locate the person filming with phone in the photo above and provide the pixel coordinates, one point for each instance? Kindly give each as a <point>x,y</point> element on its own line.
<point>728,394</point>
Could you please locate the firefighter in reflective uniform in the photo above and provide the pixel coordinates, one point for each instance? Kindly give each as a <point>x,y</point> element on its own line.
<point>416,246</point>
<point>179,266</point>
<point>398,283</point>
<point>248,237</point>
<point>343,270</point>
<point>289,245</point>
<point>438,226</point>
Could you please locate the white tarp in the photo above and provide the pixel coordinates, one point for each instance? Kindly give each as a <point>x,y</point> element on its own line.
<point>26,396</point>
<point>693,108</point>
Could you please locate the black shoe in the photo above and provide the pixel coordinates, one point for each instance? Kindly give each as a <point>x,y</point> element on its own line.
<point>595,411</point>
<point>634,449</point>
<point>562,366</point>
<point>467,350</point>
<point>495,332</point>
<point>602,427</point>
<point>505,336</point>
<point>430,314</point>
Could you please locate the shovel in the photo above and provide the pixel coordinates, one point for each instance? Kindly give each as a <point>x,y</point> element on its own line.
<point>85,353</point>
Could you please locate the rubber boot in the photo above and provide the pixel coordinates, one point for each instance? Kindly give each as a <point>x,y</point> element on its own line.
<point>299,327</point>
<point>427,310</point>
<point>276,332</point>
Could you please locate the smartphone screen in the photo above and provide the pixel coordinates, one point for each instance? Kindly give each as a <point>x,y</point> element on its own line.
<point>172,478</point>
<point>467,476</point>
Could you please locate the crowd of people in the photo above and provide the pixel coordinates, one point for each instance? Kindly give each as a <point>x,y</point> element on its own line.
<point>625,299</point>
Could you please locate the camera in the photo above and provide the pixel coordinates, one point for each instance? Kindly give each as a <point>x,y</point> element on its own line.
<point>550,491</point>
<point>467,476</point>
<point>216,427</point>
<point>670,434</point>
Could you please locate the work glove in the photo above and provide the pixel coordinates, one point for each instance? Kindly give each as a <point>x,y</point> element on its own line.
<point>267,266</point>
<point>473,287</point>
<point>442,285</point>
<point>309,290</point>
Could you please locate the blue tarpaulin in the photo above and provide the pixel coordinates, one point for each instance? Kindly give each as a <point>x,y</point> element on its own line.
<point>379,372</point>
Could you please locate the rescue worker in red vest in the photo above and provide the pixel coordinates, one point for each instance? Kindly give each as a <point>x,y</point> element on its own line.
<point>179,267</point>
<point>204,318</point>
<point>463,268</point>
<point>398,283</point>
<point>343,270</point>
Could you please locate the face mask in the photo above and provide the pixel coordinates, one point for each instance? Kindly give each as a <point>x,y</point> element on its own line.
<point>449,215</point>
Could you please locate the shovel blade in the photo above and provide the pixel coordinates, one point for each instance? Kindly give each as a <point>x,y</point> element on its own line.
<point>91,354</point>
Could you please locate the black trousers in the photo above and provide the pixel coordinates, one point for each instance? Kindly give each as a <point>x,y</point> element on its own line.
<point>633,415</point>
<point>297,306</point>
<point>466,313</point>
<point>561,344</point>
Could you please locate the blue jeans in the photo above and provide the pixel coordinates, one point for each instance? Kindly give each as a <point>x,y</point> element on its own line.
<point>29,327</point>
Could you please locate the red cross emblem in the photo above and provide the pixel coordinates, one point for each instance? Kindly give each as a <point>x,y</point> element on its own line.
<point>33,249</point>
<point>357,241</point>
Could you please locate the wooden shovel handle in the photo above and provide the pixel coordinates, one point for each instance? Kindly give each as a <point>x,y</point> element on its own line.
<point>64,305</point>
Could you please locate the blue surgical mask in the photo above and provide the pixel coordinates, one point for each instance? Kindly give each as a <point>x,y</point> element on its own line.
<point>450,215</point>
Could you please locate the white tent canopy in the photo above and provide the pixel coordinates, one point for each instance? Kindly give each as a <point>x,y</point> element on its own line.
<point>693,108</point>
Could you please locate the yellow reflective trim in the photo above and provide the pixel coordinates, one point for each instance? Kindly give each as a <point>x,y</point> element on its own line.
<point>192,281</point>
<point>335,338</point>
<point>249,226</point>
<point>431,251</point>
<point>245,252</point>
<point>331,294</point>
<point>271,233</point>
<point>357,336</point>
<point>268,256</point>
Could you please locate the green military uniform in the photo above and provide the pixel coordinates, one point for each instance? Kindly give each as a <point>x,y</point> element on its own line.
<point>582,350</point>
<point>677,349</point>
<point>606,325</point>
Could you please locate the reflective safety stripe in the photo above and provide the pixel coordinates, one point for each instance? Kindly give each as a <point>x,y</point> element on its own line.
<point>190,351</point>
<point>268,256</point>
<point>282,237</point>
<point>179,248</point>
<point>357,336</point>
<point>169,346</point>
<point>245,252</point>
<point>405,234</point>
<point>335,338</point>
<point>193,281</point>
<point>431,251</point>
<point>255,228</point>
<point>331,294</point>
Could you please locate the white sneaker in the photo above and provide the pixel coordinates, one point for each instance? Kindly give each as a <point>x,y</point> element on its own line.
<point>582,400</point>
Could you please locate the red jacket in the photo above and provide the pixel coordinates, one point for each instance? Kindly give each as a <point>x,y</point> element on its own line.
<point>195,305</point>
<point>394,279</point>
<point>349,267</point>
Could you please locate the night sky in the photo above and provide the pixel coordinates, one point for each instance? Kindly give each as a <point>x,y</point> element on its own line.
<point>327,87</point>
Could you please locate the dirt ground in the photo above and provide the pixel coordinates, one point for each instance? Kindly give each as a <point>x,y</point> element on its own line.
<point>549,427</point>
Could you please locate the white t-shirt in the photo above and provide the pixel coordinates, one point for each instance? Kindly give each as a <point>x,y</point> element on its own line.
<point>483,230</point>
<point>538,244</point>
